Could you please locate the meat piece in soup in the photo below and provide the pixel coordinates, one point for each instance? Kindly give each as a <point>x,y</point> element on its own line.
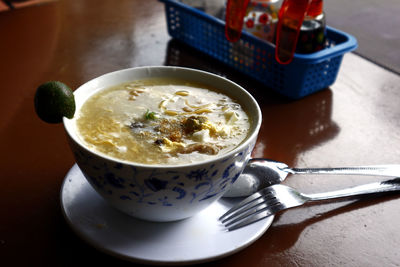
<point>162,121</point>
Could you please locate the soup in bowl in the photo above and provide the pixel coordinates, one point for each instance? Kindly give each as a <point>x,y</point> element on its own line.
<point>162,143</point>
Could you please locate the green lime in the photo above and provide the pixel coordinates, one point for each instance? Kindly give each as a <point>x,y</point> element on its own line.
<point>53,101</point>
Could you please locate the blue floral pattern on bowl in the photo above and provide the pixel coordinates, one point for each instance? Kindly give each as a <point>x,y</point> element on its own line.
<point>133,189</point>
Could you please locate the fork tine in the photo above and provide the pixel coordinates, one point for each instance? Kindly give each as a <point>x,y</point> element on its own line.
<point>255,217</point>
<point>243,215</point>
<point>254,208</point>
<point>252,198</point>
<point>249,202</point>
<point>268,206</point>
<point>249,208</point>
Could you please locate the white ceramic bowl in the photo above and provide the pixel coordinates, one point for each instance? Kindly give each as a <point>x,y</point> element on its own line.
<point>161,192</point>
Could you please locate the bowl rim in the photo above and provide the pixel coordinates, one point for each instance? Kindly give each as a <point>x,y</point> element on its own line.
<point>257,118</point>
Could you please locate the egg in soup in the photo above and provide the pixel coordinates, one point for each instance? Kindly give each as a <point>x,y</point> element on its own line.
<point>162,121</point>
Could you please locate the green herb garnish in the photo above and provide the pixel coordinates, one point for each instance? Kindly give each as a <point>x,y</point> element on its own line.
<point>150,115</point>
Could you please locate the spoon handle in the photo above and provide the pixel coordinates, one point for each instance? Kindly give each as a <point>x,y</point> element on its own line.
<point>381,170</point>
<point>373,188</point>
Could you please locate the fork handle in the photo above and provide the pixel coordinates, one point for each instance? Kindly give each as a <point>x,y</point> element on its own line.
<point>372,188</point>
<point>381,170</point>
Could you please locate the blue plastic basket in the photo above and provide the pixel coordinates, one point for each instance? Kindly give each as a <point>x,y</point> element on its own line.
<point>306,74</point>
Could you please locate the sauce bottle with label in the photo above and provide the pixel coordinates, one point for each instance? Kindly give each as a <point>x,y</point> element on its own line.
<point>312,35</point>
<point>261,18</point>
<point>301,29</point>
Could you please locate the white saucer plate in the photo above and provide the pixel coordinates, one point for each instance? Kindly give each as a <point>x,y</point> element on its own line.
<point>198,239</point>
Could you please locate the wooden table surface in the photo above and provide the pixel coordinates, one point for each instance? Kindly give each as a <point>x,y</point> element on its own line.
<point>354,122</point>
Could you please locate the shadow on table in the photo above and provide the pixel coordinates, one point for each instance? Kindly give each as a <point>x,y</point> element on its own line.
<point>294,230</point>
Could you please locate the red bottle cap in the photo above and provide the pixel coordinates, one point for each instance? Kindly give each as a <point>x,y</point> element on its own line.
<point>315,8</point>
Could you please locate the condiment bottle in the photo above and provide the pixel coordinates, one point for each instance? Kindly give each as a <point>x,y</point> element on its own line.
<point>312,36</point>
<point>261,18</point>
<point>301,26</point>
<point>301,29</point>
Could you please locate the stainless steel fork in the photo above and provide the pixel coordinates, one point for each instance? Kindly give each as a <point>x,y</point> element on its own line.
<point>275,198</point>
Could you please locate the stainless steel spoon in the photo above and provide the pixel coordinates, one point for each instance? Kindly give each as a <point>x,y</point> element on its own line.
<point>260,173</point>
